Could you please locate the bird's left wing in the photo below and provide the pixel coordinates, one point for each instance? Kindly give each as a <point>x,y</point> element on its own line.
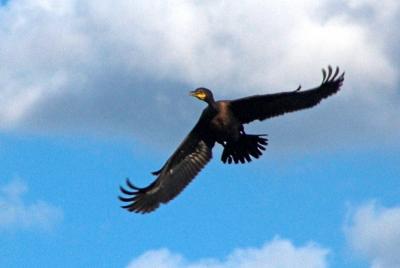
<point>179,170</point>
<point>266,106</point>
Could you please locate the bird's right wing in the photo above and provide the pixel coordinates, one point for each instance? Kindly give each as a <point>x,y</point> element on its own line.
<point>179,170</point>
<point>262,107</point>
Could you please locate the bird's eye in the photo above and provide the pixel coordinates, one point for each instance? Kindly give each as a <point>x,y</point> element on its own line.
<point>201,95</point>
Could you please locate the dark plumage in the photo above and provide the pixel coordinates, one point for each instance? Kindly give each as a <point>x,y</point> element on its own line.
<point>222,122</point>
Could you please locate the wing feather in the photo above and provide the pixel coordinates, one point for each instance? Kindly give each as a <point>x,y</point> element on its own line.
<point>261,107</point>
<point>180,169</point>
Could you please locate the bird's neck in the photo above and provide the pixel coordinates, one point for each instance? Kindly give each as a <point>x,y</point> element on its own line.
<point>211,102</point>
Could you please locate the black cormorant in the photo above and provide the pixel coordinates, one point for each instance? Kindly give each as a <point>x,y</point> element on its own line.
<point>222,122</point>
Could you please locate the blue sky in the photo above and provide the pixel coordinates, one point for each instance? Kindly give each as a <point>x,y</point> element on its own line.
<point>93,93</point>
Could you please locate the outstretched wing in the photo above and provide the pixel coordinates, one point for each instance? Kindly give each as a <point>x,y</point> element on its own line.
<point>179,170</point>
<point>266,106</point>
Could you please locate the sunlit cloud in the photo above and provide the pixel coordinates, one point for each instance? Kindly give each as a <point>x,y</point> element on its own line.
<point>276,253</point>
<point>124,68</point>
<point>373,232</point>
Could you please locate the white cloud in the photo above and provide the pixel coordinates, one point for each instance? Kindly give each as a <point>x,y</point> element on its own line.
<point>374,233</point>
<point>278,253</point>
<point>16,213</point>
<point>91,66</point>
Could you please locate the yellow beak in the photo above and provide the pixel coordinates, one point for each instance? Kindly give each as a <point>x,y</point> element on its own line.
<point>200,95</point>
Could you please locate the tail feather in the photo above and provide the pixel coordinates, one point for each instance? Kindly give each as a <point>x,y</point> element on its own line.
<point>243,149</point>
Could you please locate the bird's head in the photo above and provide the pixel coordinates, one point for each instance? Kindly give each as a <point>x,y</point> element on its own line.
<point>203,94</point>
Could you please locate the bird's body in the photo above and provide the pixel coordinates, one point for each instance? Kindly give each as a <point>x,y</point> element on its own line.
<point>224,126</point>
<point>222,122</point>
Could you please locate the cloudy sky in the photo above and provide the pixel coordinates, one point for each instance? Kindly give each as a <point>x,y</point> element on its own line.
<point>92,92</point>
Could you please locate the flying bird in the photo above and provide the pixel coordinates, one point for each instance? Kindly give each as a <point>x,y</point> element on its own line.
<point>222,122</point>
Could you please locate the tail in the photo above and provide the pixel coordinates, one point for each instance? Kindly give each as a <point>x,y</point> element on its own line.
<point>243,149</point>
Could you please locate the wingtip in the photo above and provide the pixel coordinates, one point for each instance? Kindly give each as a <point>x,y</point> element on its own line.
<point>127,199</point>
<point>323,75</point>
<point>132,186</point>
<point>330,76</point>
<point>123,190</point>
<point>336,73</point>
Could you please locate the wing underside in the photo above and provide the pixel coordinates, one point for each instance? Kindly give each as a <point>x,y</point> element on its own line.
<point>261,107</point>
<point>180,169</point>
